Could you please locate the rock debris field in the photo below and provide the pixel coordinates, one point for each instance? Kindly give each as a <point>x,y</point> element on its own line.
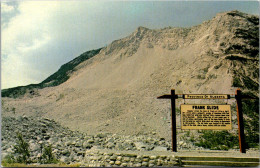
<point>70,146</point>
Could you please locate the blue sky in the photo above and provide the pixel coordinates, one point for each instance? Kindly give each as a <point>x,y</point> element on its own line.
<point>37,37</point>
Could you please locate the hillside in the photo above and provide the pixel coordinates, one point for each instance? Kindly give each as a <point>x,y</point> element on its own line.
<point>115,90</point>
<point>55,79</point>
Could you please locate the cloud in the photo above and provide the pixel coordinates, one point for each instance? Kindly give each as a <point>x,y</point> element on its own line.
<point>46,34</point>
<point>32,43</point>
<point>25,33</point>
<point>39,36</point>
<point>5,8</point>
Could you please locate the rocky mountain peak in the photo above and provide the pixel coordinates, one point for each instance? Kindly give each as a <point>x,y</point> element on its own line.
<point>116,88</point>
<point>141,29</point>
<point>222,33</point>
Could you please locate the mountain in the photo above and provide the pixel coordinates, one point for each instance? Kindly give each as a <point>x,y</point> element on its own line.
<point>55,79</point>
<point>116,88</point>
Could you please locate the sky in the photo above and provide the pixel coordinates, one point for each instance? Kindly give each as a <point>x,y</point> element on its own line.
<point>37,37</point>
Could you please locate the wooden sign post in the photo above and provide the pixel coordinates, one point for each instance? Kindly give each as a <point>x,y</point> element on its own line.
<point>174,130</point>
<point>225,124</point>
<point>240,122</point>
<point>172,96</point>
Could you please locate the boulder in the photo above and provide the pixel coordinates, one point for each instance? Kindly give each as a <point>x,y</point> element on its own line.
<point>64,159</point>
<point>160,148</point>
<point>140,145</point>
<point>110,145</point>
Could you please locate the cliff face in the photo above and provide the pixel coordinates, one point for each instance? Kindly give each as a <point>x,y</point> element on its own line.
<point>116,90</point>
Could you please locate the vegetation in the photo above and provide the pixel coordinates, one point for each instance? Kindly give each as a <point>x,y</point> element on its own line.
<point>201,76</point>
<point>217,140</point>
<point>55,79</point>
<point>32,165</point>
<point>62,74</point>
<point>249,83</point>
<point>47,156</point>
<point>21,155</point>
<point>21,151</point>
<point>178,111</point>
<point>236,82</point>
<point>224,140</point>
<point>212,76</point>
<point>205,70</point>
<point>251,122</point>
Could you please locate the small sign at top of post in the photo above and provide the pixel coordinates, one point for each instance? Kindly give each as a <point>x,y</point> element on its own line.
<point>206,96</point>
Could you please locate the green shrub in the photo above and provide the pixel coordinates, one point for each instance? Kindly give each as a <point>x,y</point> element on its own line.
<point>21,149</point>
<point>8,159</point>
<point>251,122</point>
<point>192,138</point>
<point>205,70</point>
<point>237,82</point>
<point>201,77</point>
<point>47,156</point>
<point>217,140</point>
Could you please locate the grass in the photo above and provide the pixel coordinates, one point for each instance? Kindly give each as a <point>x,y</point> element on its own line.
<point>41,165</point>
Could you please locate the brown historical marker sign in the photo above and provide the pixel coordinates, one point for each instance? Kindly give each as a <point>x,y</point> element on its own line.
<point>207,116</point>
<point>201,116</point>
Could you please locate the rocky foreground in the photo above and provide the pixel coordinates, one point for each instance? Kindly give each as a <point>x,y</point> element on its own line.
<point>70,147</point>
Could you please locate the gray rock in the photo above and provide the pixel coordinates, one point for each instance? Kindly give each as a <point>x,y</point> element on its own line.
<point>126,159</point>
<point>160,148</point>
<point>78,144</point>
<point>3,155</point>
<point>34,147</point>
<point>52,140</point>
<point>101,135</point>
<point>64,159</point>
<point>180,143</point>
<point>140,145</point>
<point>4,143</point>
<point>96,147</point>
<point>86,145</point>
<point>113,158</point>
<point>110,145</point>
<point>111,162</point>
<point>73,142</point>
<point>46,137</point>
<point>73,157</point>
<point>117,162</point>
<point>144,164</point>
<point>65,152</point>
<point>124,164</point>
<point>110,140</point>
<point>119,146</point>
<point>138,165</point>
<point>90,141</point>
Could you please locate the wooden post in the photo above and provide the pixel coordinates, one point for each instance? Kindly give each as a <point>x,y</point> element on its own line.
<point>173,116</point>
<point>240,122</point>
